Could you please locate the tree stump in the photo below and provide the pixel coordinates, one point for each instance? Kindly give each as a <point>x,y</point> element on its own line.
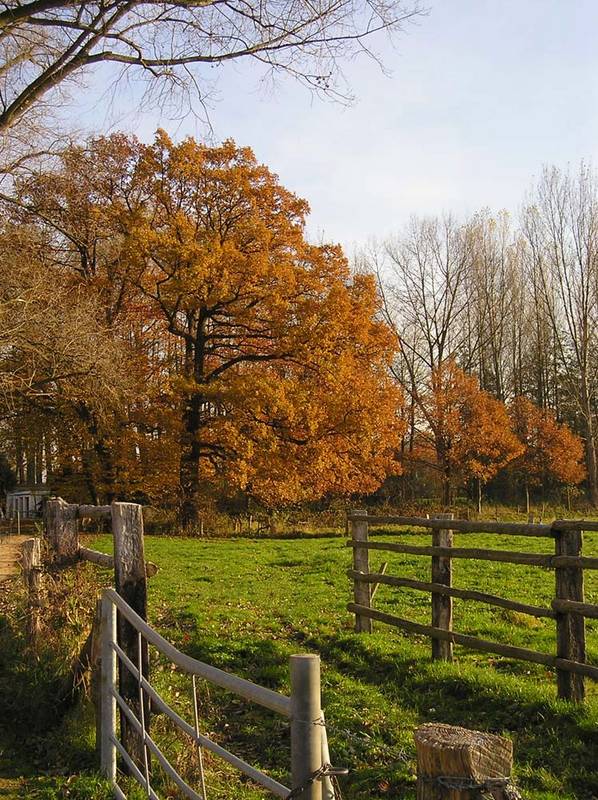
<point>458,764</point>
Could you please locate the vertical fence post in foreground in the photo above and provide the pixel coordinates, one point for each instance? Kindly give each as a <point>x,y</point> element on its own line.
<point>131,584</point>
<point>62,529</point>
<point>442,605</point>
<point>570,627</point>
<point>107,728</point>
<point>31,563</point>
<point>306,725</point>
<point>361,563</point>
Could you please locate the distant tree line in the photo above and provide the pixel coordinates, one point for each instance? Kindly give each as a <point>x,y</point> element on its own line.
<point>513,303</point>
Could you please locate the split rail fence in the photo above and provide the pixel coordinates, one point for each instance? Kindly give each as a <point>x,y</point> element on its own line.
<point>118,653</point>
<point>568,609</point>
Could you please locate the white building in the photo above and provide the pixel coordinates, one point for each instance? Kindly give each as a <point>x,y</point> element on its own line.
<point>26,500</point>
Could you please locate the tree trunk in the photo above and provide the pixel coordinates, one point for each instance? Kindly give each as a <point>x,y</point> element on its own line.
<point>189,466</point>
<point>479,481</point>
<point>590,442</point>
<point>527,498</point>
<point>591,460</point>
<point>446,486</point>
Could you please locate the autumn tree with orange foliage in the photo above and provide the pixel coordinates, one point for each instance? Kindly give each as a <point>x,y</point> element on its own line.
<point>283,385</point>
<point>466,433</point>
<point>551,451</point>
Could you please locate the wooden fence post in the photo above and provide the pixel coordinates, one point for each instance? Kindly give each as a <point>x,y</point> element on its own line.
<point>131,584</point>
<point>306,725</point>
<point>361,563</point>
<point>62,529</point>
<point>31,563</point>
<point>458,764</point>
<point>107,688</point>
<point>442,605</point>
<point>570,627</point>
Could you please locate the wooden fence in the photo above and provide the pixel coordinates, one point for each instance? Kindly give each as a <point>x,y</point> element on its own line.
<point>568,608</point>
<point>117,652</point>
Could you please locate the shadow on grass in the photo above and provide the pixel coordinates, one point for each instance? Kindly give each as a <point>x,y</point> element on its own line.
<point>555,742</point>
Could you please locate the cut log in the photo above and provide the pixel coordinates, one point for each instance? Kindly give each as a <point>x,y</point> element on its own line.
<point>460,764</point>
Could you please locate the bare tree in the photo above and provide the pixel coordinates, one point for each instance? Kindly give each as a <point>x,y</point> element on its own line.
<point>423,280</point>
<point>561,227</point>
<point>46,43</point>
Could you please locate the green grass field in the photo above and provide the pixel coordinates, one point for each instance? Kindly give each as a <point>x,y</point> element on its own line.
<point>246,605</point>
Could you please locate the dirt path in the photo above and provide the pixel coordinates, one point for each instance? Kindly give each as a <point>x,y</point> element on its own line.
<point>10,553</point>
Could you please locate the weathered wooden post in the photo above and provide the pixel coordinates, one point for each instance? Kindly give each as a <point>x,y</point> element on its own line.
<point>62,529</point>
<point>570,626</point>
<point>442,605</point>
<point>31,563</point>
<point>107,689</point>
<point>458,764</point>
<point>306,726</point>
<point>131,584</point>
<point>361,563</point>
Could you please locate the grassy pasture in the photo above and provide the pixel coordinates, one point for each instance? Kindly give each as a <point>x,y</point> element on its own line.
<point>246,605</point>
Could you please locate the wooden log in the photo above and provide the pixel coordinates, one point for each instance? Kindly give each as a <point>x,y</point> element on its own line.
<point>570,625</point>
<point>62,529</point>
<point>474,643</point>
<point>460,764</point>
<point>470,526</point>
<point>504,556</point>
<point>106,560</point>
<point>442,604</point>
<point>101,559</point>
<point>361,591</point>
<point>587,609</point>
<point>94,512</point>
<point>577,562</point>
<point>465,594</point>
<point>131,585</point>
<point>31,565</point>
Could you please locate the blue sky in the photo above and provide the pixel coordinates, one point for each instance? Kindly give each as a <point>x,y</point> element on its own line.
<point>481,95</point>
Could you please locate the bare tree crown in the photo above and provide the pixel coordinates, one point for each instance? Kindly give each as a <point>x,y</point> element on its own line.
<point>44,43</point>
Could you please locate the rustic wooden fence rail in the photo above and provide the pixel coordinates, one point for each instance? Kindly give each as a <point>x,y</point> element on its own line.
<point>61,526</point>
<point>117,649</point>
<point>568,608</point>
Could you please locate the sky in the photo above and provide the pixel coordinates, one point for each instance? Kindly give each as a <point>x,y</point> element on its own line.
<point>481,95</point>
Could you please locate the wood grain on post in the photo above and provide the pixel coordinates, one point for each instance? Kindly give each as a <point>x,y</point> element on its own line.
<point>62,529</point>
<point>361,563</point>
<point>468,757</point>
<point>131,585</point>
<point>570,626</point>
<point>442,605</point>
<point>31,564</point>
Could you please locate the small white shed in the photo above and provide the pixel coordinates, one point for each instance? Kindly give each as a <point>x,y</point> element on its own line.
<point>25,500</point>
